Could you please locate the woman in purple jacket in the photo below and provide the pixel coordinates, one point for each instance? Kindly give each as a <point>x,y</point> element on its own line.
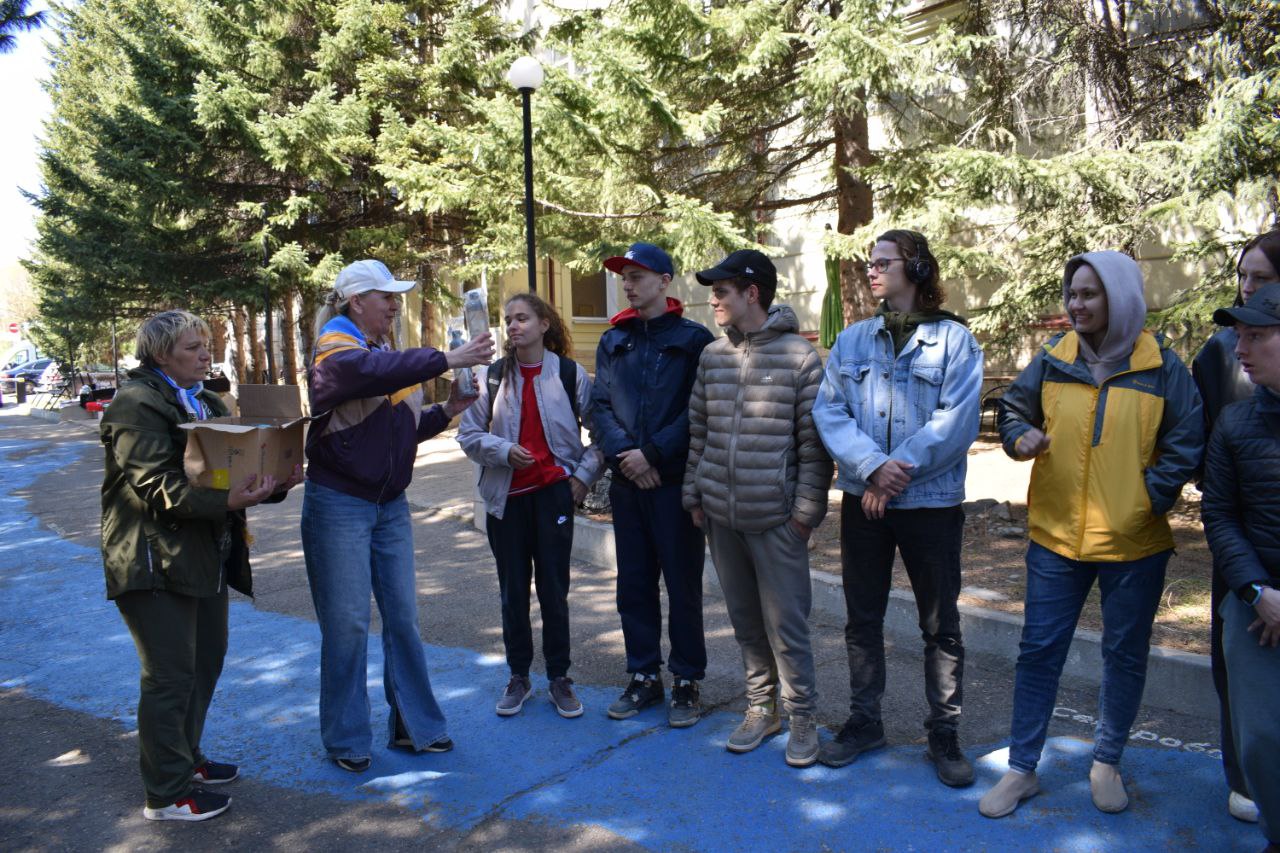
<point>368,418</point>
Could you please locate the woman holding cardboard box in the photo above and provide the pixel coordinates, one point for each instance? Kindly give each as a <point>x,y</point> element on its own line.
<point>367,420</point>
<point>170,549</point>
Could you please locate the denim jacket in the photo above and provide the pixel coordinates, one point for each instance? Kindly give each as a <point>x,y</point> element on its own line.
<point>920,407</point>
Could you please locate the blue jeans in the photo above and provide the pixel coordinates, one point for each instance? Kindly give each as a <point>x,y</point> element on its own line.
<point>1056,592</point>
<point>354,547</point>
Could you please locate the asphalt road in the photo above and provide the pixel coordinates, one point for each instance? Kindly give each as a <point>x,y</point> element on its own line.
<point>68,678</point>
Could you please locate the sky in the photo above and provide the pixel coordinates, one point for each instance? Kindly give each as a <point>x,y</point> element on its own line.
<point>25,107</point>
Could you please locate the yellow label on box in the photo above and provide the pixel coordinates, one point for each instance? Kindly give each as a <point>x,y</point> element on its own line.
<point>221,478</point>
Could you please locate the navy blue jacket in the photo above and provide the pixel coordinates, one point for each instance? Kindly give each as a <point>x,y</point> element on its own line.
<point>1241,505</point>
<point>644,375</point>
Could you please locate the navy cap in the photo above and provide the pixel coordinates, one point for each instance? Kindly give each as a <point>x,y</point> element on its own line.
<point>644,255</point>
<point>746,264</point>
<point>1261,309</point>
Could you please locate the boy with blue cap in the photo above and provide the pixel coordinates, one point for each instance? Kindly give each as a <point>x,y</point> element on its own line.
<point>645,367</point>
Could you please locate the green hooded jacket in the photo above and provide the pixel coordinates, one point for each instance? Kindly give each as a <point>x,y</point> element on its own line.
<point>159,531</point>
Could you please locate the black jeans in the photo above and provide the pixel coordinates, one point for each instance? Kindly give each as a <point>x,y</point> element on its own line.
<point>181,643</point>
<point>929,540</point>
<point>533,541</point>
<point>655,537</point>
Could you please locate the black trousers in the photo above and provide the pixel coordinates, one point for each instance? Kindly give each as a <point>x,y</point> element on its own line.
<point>532,542</point>
<point>655,538</point>
<point>181,643</point>
<point>929,540</point>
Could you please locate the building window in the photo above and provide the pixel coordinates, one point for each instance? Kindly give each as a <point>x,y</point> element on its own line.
<point>589,293</point>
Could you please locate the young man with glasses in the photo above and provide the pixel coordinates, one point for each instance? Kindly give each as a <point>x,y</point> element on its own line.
<point>898,410</point>
<point>757,481</point>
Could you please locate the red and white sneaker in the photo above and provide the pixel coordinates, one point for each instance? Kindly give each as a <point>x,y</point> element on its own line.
<point>199,804</point>
<point>215,773</point>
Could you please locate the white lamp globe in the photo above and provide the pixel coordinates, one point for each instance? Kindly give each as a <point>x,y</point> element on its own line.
<point>525,73</point>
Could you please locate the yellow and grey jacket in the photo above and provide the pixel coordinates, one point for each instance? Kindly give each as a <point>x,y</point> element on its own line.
<point>1119,451</point>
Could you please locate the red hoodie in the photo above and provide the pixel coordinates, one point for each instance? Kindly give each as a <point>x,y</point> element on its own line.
<point>674,306</point>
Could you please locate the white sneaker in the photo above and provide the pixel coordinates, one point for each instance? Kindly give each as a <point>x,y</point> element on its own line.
<point>1012,789</point>
<point>1242,808</point>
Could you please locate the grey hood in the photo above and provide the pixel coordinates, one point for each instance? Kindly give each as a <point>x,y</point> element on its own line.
<point>1126,309</point>
<point>781,320</point>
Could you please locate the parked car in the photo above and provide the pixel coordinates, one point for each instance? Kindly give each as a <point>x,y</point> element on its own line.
<point>33,372</point>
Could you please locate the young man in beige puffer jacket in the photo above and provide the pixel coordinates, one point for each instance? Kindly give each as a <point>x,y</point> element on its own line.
<point>757,482</point>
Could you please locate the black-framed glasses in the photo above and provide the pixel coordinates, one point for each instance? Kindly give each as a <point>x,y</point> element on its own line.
<point>880,265</point>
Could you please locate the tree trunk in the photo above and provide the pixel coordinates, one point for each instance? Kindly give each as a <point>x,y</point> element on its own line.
<point>238,323</point>
<point>289,338</point>
<point>1109,94</point>
<point>218,338</point>
<point>854,208</point>
<point>310,306</point>
<point>257,353</point>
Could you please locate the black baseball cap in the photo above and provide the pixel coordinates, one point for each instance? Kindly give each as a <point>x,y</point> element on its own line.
<point>1262,309</point>
<point>746,264</point>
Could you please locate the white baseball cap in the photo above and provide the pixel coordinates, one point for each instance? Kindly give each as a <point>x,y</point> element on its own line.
<point>366,275</point>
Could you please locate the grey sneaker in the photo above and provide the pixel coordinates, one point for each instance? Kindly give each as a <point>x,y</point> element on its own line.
<point>760,722</point>
<point>513,698</point>
<point>802,746</point>
<point>563,697</point>
<point>686,705</point>
<point>643,691</point>
<point>1012,789</point>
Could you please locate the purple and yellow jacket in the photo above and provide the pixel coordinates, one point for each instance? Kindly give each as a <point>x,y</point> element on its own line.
<point>367,414</point>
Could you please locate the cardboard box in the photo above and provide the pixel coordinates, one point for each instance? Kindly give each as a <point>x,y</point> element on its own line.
<point>266,437</point>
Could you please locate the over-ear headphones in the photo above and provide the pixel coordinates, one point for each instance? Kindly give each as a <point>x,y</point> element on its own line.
<point>918,269</point>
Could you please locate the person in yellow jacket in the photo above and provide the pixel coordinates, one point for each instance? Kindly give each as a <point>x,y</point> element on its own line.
<point>1113,420</point>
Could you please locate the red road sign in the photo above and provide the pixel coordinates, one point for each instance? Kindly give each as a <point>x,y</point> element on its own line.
<point>13,328</point>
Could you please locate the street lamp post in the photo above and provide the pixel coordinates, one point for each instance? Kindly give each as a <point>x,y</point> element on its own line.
<point>525,75</point>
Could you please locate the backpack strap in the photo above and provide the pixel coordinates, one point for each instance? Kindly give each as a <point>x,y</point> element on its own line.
<point>493,378</point>
<point>568,378</point>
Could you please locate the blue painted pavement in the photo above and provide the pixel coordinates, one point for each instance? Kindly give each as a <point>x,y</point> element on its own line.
<point>62,642</point>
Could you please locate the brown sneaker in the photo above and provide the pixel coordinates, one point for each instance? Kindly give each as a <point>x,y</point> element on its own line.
<point>563,697</point>
<point>513,698</point>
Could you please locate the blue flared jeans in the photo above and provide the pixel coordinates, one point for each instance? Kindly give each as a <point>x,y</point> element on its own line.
<point>353,548</point>
<point>1056,591</point>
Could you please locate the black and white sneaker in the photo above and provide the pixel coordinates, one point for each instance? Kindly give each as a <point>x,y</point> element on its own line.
<point>686,705</point>
<point>199,804</point>
<point>355,765</point>
<point>643,691</point>
<point>215,773</point>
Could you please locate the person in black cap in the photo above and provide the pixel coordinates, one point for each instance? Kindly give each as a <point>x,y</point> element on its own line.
<point>1221,381</point>
<point>757,481</point>
<point>1241,514</point>
<point>640,402</point>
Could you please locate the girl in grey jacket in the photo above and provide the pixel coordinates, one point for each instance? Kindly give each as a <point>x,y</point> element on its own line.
<point>524,433</point>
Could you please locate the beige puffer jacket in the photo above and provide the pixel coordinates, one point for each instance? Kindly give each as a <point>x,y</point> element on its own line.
<point>755,458</point>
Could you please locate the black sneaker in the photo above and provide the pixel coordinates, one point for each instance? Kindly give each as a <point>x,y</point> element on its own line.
<point>643,691</point>
<point>442,745</point>
<point>686,704</point>
<point>215,773</point>
<point>856,736</point>
<point>953,768</point>
<point>355,765</point>
<point>198,804</point>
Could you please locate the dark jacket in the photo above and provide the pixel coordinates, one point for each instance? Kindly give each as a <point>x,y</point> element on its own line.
<point>159,531</point>
<point>367,413</point>
<point>644,374</point>
<point>1241,504</point>
<point>1219,376</point>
